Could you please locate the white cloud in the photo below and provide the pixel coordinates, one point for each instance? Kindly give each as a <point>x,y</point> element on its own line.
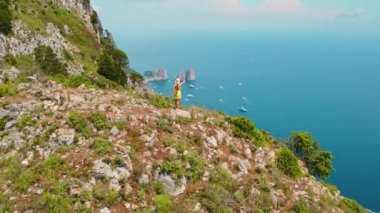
<point>350,15</point>
<point>281,6</point>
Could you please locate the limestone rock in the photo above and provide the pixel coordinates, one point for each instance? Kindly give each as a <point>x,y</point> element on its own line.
<point>144,179</point>
<point>244,166</point>
<point>179,113</point>
<point>170,185</point>
<point>66,136</point>
<point>23,86</point>
<point>212,142</point>
<point>115,131</point>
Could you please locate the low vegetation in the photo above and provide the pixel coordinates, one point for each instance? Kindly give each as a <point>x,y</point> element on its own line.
<point>99,120</point>
<point>8,89</point>
<point>163,204</point>
<point>101,146</point>
<point>79,123</point>
<point>5,17</point>
<point>349,205</point>
<point>306,148</point>
<point>48,60</point>
<point>287,162</point>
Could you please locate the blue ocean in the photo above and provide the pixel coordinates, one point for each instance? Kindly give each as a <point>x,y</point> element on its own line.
<point>328,85</point>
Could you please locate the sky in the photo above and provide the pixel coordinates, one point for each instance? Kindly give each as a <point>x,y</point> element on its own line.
<point>143,17</point>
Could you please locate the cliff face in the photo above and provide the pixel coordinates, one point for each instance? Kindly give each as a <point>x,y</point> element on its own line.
<point>84,149</point>
<point>69,27</point>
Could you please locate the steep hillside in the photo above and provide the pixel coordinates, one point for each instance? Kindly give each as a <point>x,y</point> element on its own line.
<point>74,136</point>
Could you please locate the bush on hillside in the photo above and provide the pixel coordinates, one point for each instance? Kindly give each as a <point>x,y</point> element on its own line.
<point>305,147</point>
<point>287,162</point>
<point>8,89</point>
<point>242,127</point>
<point>121,59</point>
<point>101,146</point>
<point>99,120</point>
<point>159,101</point>
<point>79,123</point>
<point>5,17</point>
<point>48,60</point>
<point>320,164</point>
<point>11,59</point>
<point>108,68</point>
<point>136,78</point>
<point>163,203</point>
<point>349,205</point>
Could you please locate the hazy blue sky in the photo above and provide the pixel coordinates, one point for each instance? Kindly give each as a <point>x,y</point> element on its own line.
<point>138,17</point>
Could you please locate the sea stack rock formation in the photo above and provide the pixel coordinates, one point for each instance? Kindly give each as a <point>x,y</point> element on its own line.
<point>190,75</point>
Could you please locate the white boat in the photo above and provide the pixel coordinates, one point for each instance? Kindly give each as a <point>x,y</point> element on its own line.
<point>192,86</point>
<point>221,87</point>
<point>240,84</point>
<point>221,100</point>
<point>244,98</point>
<point>242,109</point>
<point>190,96</point>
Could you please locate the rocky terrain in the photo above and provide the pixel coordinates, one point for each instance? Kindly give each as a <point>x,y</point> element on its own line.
<point>79,142</point>
<point>112,151</point>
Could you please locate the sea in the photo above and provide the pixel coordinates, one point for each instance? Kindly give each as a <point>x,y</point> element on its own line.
<point>328,85</point>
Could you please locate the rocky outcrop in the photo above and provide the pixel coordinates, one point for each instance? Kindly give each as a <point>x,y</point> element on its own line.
<point>138,155</point>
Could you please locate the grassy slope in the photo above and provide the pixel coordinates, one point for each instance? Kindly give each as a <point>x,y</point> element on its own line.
<point>37,13</point>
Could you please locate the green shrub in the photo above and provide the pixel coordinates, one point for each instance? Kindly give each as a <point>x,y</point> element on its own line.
<point>24,180</point>
<point>333,189</point>
<point>196,138</point>
<point>5,17</point>
<point>10,59</point>
<point>351,206</point>
<point>74,81</point>
<point>21,178</point>
<point>105,196</point>
<point>176,167</point>
<point>164,124</point>
<point>222,177</point>
<point>99,120</point>
<point>3,122</point>
<point>159,188</point>
<point>287,162</point>
<point>216,199</point>
<point>79,123</point>
<point>160,101</point>
<point>111,69</point>
<point>163,204</point>
<point>8,89</point>
<point>197,166</point>
<point>51,166</point>
<point>181,147</point>
<point>301,207</point>
<point>320,164</point>
<point>54,203</point>
<point>101,146</point>
<point>242,127</point>
<point>48,60</point>
<point>305,147</point>
<point>136,78</point>
<point>25,121</point>
<point>259,138</point>
<point>169,141</point>
<point>183,120</point>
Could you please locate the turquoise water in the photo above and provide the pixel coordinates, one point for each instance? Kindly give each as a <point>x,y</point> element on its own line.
<point>328,85</point>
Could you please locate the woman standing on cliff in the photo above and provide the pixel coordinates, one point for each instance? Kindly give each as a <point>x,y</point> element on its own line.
<point>177,92</point>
